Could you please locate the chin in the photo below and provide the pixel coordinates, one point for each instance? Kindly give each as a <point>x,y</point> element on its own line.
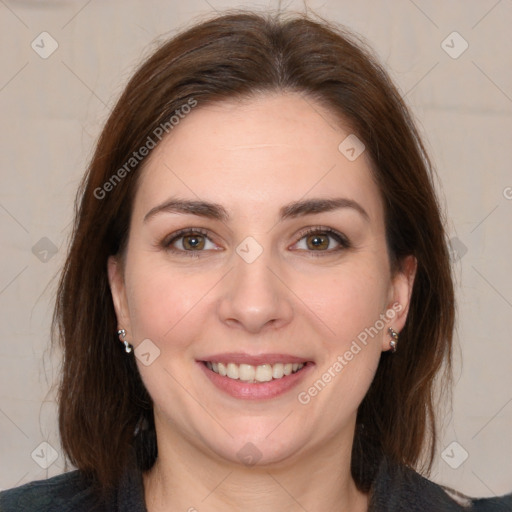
<point>258,450</point>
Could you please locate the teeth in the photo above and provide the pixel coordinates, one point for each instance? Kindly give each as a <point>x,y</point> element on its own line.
<point>277,370</point>
<point>233,372</point>
<point>222,369</point>
<point>263,373</point>
<point>246,372</point>
<point>250,373</point>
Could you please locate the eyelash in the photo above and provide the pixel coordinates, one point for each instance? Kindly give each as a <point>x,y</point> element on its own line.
<point>341,239</point>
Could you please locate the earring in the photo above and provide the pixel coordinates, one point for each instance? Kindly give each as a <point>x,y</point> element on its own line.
<point>127,346</point>
<point>394,340</point>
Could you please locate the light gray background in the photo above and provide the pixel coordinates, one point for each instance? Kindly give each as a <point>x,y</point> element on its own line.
<point>53,110</point>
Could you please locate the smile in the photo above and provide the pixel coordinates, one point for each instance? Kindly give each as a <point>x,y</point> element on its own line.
<point>255,376</point>
<point>251,373</point>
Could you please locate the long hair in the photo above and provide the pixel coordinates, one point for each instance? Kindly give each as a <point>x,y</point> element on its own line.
<point>105,412</point>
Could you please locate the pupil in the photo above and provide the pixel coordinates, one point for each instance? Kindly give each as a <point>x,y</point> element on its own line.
<point>193,241</point>
<point>318,240</point>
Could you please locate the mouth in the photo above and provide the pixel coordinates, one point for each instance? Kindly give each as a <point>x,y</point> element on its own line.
<point>251,373</point>
<point>255,377</point>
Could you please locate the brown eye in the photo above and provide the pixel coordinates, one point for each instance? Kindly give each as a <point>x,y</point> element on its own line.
<point>317,241</point>
<point>193,242</point>
<point>189,242</point>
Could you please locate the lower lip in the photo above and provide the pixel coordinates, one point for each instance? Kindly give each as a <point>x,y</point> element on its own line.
<point>257,390</point>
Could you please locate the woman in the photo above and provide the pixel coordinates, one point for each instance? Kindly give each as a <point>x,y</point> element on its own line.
<point>257,298</point>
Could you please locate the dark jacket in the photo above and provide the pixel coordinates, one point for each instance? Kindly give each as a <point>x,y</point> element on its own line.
<point>395,489</point>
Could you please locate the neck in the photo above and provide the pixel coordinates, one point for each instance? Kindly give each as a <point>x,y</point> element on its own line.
<point>185,477</point>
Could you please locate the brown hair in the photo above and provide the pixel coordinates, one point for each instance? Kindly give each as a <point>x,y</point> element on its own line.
<point>102,400</point>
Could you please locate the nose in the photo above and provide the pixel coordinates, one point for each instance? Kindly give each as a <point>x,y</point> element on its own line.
<point>255,297</point>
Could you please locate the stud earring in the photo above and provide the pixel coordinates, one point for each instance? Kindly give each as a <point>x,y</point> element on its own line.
<point>394,341</point>
<point>127,347</point>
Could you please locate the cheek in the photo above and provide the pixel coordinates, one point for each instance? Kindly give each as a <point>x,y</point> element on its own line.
<point>346,301</point>
<point>349,304</point>
<point>162,299</point>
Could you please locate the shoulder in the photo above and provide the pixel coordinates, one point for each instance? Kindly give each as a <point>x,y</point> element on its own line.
<point>500,504</point>
<point>66,492</point>
<point>399,488</point>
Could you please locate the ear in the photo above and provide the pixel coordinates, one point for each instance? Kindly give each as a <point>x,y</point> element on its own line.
<point>400,295</point>
<point>118,290</point>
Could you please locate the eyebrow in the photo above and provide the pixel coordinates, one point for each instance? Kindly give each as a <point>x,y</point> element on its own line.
<point>292,210</point>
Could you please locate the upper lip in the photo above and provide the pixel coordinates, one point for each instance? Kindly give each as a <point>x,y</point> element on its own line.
<point>240,358</point>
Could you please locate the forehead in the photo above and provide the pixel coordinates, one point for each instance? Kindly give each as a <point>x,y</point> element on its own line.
<point>256,153</point>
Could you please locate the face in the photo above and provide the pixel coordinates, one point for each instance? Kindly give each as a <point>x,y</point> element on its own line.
<point>257,248</point>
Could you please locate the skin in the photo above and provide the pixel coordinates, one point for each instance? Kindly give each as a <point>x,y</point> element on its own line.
<point>252,157</point>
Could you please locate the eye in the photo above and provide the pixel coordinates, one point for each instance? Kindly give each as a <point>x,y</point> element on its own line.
<point>320,240</point>
<point>189,242</point>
